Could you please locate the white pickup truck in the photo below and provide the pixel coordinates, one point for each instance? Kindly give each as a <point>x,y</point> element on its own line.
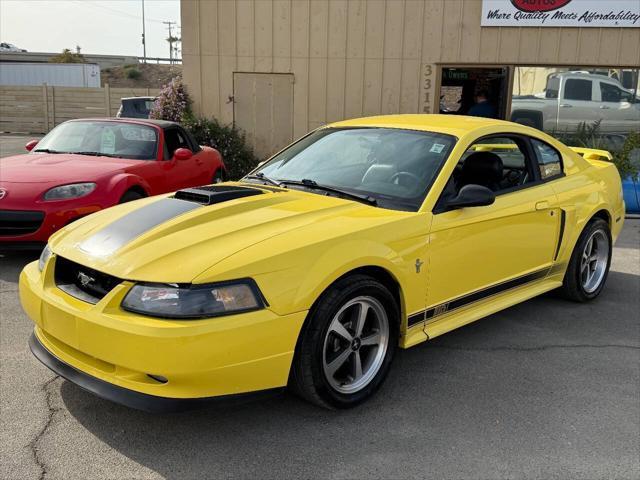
<point>572,98</point>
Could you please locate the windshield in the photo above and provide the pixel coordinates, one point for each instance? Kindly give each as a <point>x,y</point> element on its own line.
<point>393,166</point>
<point>112,139</point>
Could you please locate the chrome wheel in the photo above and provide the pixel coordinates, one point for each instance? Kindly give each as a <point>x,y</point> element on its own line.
<point>355,344</point>
<point>593,264</point>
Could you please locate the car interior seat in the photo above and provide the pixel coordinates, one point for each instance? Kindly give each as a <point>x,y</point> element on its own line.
<point>482,168</point>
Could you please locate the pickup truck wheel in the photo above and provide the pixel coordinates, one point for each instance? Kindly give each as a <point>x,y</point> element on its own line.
<point>346,348</point>
<point>589,265</point>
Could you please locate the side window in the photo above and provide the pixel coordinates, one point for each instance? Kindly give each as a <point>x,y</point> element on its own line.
<point>499,163</point>
<point>192,141</point>
<point>577,89</point>
<point>553,84</point>
<point>174,139</point>
<point>549,161</point>
<point>610,93</point>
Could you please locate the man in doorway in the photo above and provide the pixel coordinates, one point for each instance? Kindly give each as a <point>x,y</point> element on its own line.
<point>483,107</point>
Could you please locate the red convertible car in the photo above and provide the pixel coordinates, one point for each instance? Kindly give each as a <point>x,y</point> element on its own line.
<point>83,166</point>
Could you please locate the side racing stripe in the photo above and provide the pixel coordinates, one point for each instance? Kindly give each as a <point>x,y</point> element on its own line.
<point>476,296</point>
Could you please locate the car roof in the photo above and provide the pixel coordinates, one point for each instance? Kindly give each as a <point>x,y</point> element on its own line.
<point>456,125</point>
<point>164,124</point>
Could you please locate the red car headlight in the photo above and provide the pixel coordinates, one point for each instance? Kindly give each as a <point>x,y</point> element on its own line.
<point>74,190</point>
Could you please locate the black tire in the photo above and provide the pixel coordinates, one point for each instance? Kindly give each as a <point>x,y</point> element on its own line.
<point>526,121</point>
<point>572,286</point>
<point>130,196</point>
<point>307,378</point>
<point>218,176</point>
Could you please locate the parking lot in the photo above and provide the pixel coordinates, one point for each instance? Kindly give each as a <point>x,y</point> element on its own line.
<point>545,389</point>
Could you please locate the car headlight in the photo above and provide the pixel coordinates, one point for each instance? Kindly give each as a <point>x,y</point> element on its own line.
<point>44,257</point>
<point>193,301</point>
<point>73,190</point>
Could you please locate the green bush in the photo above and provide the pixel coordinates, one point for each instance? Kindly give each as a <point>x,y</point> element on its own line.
<point>624,159</point>
<point>133,73</point>
<point>590,136</point>
<point>228,140</point>
<point>67,56</point>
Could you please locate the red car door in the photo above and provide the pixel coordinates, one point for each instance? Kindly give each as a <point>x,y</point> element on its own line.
<point>181,173</point>
<point>203,167</point>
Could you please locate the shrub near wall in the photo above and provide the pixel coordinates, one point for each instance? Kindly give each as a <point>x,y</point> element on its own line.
<point>590,136</point>
<point>173,103</point>
<point>228,140</point>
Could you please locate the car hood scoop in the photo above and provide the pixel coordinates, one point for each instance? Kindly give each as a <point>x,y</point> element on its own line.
<point>212,194</point>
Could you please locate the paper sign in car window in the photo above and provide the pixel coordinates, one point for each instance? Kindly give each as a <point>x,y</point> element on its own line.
<point>143,134</point>
<point>437,148</point>
<point>108,141</point>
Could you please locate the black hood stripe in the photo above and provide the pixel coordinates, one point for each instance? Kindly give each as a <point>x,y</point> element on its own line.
<point>117,234</point>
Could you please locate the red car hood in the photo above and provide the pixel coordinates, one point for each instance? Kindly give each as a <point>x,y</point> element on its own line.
<point>59,168</point>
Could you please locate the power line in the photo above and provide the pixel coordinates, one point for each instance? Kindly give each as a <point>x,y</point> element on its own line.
<point>114,11</point>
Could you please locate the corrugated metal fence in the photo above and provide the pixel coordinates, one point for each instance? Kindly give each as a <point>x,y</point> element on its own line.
<point>39,109</point>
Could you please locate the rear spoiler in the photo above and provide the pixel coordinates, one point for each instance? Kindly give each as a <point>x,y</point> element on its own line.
<point>593,153</point>
<point>587,153</point>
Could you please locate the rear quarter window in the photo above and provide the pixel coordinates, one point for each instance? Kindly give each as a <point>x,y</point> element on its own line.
<point>549,159</point>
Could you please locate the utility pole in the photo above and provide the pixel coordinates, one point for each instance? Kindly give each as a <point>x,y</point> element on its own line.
<point>171,40</point>
<point>144,44</point>
<point>176,49</point>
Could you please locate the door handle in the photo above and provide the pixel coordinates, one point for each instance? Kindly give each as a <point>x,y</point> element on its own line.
<point>543,205</point>
<point>565,105</point>
<point>604,107</point>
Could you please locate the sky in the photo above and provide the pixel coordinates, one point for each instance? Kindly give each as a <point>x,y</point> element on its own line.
<point>97,26</point>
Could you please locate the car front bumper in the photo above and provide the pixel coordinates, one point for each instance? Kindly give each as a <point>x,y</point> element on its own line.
<point>32,226</point>
<point>120,356</point>
<point>131,398</point>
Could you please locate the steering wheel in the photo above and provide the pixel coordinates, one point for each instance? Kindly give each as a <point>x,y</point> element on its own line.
<point>514,176</point>
<point>396,177</point>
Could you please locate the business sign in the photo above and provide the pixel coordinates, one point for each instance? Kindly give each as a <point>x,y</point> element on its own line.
<point>561,13</point>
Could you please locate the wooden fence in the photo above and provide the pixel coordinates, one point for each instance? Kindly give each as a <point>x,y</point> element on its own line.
<point>39,109</point>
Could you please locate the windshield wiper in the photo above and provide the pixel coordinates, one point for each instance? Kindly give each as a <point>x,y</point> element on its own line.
<point>46,150</point>
<point>264,178</point>
<point>96,154</point>
<point>313,185</point>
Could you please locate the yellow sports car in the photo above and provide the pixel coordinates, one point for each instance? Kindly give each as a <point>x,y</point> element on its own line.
<point>363,236</point>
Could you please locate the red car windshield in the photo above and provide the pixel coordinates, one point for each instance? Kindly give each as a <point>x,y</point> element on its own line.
<point>96,138</point>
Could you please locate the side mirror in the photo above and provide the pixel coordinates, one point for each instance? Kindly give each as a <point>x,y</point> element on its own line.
<point>31,145</point>
<point>472,196</point>
<point>182,154</point>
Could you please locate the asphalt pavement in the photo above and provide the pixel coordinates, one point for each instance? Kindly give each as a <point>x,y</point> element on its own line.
<point>546,389</point>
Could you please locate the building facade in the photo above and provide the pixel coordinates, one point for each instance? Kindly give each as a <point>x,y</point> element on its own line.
<point>279,68</point>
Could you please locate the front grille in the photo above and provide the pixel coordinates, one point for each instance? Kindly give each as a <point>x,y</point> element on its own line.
<point>211,194</point>
<point>19,222</point>
<point>82,282</point>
